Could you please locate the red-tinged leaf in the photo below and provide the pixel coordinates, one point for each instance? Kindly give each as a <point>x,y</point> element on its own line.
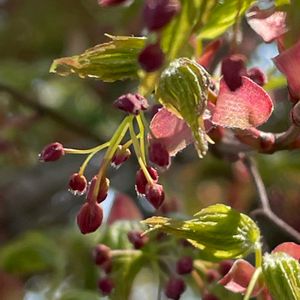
<point>289,248</point>
<point>170,131</point>
<point>248,106</point>
<point>288,62</point>
<point>238,278</point>
<point>209,53</point>
<point>124,209</point>
<point>269,24</point>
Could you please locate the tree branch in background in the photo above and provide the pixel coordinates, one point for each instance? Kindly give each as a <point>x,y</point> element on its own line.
<point>49,112</point>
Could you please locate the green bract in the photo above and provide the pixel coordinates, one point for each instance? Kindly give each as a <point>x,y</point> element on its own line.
<point>115,60</point>
<point>282,276</point>
<point>183,89</point>
<point>219,231</point>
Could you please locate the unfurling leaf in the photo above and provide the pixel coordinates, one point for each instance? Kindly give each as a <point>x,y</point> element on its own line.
<point>183,89</point>
<point>115,60</point>
<point>282,276</point>
<point>219,231</point>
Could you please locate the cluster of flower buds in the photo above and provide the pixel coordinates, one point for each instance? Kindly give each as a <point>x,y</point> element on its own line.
<point>103,259</point>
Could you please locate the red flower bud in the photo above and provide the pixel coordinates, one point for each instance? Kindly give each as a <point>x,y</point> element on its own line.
<point>225,266</point>
<point>233,68</point>
<point>89,217</point>
<point>174,288</point>
<point>131,103</point>
<point>141,181</point>
<point>105,3</point>
<point>158,13</point>
<point>102,192</point>
<point>257,75</point>
<point>184,265</point>
<point>155,194</point>
<point>158,154</point>
<point>52,152</point>
<point>101,254</point>
<point>151,58</point>
<point>120,156</point>
<point>136,239</point>
<point>77,184</point>
<point>212,275</point>
<point>106,285</point>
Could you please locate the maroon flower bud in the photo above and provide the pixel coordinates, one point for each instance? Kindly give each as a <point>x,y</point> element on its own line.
<point>257,75</point>
<point>174,288</point>
<point>158,13</point>
<point>106,285</point>
<point>120,156</point>
<point>101,254</point>
<point>89,217</point>
<point>102,191</point>
<point>107,266</point>
<point>225,266</point>
<point>233,68</point>
<point>131,103</point>
<point>52,152</point>
<point>208,296</point>
<point>158,154</point>
<point>155,194</point>
<point>77,184</point>
<point>141,181</point>
<point>267,141</point>
<point>184,265</point>
<point>151,58</point>
<point>105,3</point>
<point>295,114</point>
<point>137,239</point>
<point>212,275</point>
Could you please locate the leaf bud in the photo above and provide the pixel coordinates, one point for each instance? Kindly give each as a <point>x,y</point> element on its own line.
<point>101,254</point>
<point>158,13</point>
<point>158,154</point>
<point>106,285</point>
<point>120,156</point>
<point>141,181</point>
<point>174,288</point>
<point>151,58</point>
<point>184,265</point>
<point>137,239</point>
<point>52,152</point>
<point>78,184</point>
<point>131,103</point>
<point>282,275</point>
<point>257,75</point>
<point>155,194</point>
<point>89,217</point>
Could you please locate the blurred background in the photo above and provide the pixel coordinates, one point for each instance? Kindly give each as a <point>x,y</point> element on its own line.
<point>37,213</point>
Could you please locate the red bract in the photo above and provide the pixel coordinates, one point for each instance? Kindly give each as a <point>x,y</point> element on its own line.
<point>248,106</point>
<point>141,181</point>
<point>105,3</point>
<point>174,288</point>
<point>137,239</point>
<point>106,285</point>
<point>89,217</point>
<point>78,183</point>
<point>158,154</point>
<point>52,152</point>
<point>158,13</point>
<point>101,254</point>
<point>151,58</point>
<point>184,265</point>
<point>288,62</point>
<point>131,103</point>
<point>269,24</point>
<point>155,194</point>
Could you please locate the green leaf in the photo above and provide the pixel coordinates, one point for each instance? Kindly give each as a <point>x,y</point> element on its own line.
<point>115,60</point>
<point>219,231</point>
<point>183,89</point>
<point>29,254</point>
<point>221,16</point>
<point>282,276</point>
<point>177,33</point>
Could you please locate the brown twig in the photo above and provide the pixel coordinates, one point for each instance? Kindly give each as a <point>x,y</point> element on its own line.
<point>49,112</point>
<point>265,208</point>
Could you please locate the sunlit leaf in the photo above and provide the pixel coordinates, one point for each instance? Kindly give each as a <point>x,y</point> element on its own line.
<point>111,61</point>
<point>219,231</point>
